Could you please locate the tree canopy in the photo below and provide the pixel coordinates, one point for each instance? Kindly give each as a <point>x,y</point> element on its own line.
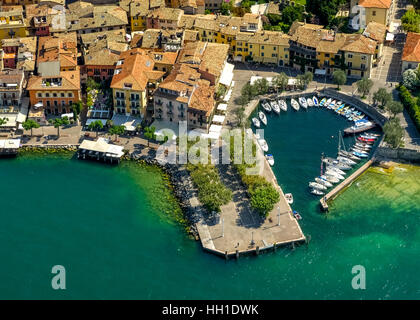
<point>364,86</point>
<point>393,133</point>
<point>30,124</point>
<point>382,97</point>
<point>339,78</point>
<point>411,21</point>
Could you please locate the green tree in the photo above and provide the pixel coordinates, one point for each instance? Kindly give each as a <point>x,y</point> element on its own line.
<point>96,126</point>
<point>226,8</point>
<point>149,133</point>
<point>280,81</point>
<point>77,108</point>
<point>264,198</point>
<point>364,86</point>
<point>261,86</point>
<point>339,78</point>
<point>382,96</point>
<point>116,130</point>
<point>291,14</point>
<point>394,107</point>
<point>249,91</point>
<point>303,80</point>
<point>58,122</point>
<point>240,115</point>
<point>30,124</point>
<point>325,10</point>
<point>393,132</point>
<point>411,21</point>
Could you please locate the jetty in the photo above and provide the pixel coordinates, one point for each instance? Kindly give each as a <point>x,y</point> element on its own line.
<point>239,230</point>
<point>334,192</point>
<point>101,149</point>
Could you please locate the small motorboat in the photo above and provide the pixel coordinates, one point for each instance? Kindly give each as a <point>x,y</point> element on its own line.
<point>303,102</point>
<point>317,192</point>
<point>315,100</point>
<point>369,141</point>
<point>270,159</point>
<point>327,103</point>
<point>275,107</point>
<point>323,100</point>
<point>266,106</point>
<point>333,168</point>
<point>283,105</point>
<point>368,136</point>
<point>256,122</point>
<point>323,182</point>
<point>295,104</point>
<point>363,145</point>
<point>289,198</point>
<point>361,155</point>
<point>297,215</point>
<point>262,117</point>
<point>316,185</point>
<point>310,102</point>
<point>349,155</point>
<point>263,144</point>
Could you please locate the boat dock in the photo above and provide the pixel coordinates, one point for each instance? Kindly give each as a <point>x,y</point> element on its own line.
<point>9,147</point>
<point>239,230</point>
<point>334,192</point>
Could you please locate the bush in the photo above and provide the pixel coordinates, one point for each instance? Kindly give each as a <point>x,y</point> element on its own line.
<point>411,105</point>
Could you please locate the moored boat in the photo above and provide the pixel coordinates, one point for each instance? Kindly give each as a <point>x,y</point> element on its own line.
<point>317,192</point>
<point>310,102</point>
<point>256,122</point>
<point>323,182</point>
<point>275,107</point>
<point>295,104</point>
<point>297,215</point>
<point>283,105</point>
<point>303,102</point>
<point>289,198</point>
<point>263,144</point>
<point>266,106</point>
<point>270,159</point>
<point>315,100</point>
<point>262,117</point>
<point>316,185</point>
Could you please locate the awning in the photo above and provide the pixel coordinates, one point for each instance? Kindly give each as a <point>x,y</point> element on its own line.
<point>89,121</point>
<point>215,128</point>
<point>68,115</point>
<point>38,105</point>
<point>227,75</point>
<point>227,96</point>
<point>320,72</point>
<point>222,107</point>
<point>218,119</point>
<point>389,36</point>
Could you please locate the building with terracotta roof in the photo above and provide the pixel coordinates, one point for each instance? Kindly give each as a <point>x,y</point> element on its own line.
<point>19,53</point>
<point>11,85</point>
<point>189,6</point>
<point>373,11</point>
<point>313,48</point>
<point>138,11</point>
<point>263,46</point>
<point>57,85</point>
<point>376,31</point>
<point>100,52</point>
<point>136,77</point>
<point>213,4</point>
<point>82,17</point>
<point>40,17</point>
<point>164,18</point>
<point>187,94</point>
<point>411,53</point>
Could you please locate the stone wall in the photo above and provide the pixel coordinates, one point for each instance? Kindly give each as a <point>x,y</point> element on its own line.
<point>398,154</point>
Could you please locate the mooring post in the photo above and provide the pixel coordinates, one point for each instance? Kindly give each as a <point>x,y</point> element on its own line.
<point>237,254</point>
<point>275,246</point>
<point>257,250</point>
<point>226,255</point>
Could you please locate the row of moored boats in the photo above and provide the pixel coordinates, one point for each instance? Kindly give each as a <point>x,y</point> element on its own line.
<point>333,170</point>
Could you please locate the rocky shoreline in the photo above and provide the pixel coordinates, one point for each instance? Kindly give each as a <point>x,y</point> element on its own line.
<point>182,186</point>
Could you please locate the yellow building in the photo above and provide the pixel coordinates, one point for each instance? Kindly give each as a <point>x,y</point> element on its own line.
<point>358,52</point>
<point>12,23</point>
<point>376,11</point>
<point>376,31</point>
<point>137,13</point>
<point>269,47</point>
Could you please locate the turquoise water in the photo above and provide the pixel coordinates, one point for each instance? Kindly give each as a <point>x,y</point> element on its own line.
<point>113,229</point>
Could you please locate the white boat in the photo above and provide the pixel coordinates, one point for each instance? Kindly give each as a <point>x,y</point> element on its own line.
<point>315,100</point>
<point>327,103</point>
<point>270,159</point>
<point>289,198</point>
<point>346,160</point>
<point>283,105</point>
<point>262,117</point>
<point>295,104</point>
<point>263,144</point>
<point>317,192</point>
<point>316,185</point>
<point>266,106</point>
<point>349,155</point>
<point>303,103</point>
<point>323,182</point>
<point>334,174</point>
<point>330,178</point>
<point>275,107</point>
<point>310,102</point>
<point>333,168</point>
<point>256,122</point>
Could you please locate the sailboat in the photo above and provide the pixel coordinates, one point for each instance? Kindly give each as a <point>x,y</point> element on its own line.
<point>266,106</point>
<point>315,100</point>
<point>295,104</point>
<point>303,102</point>
<point>262,117</point>
<point>310,102</point>
<point>275,107</point>
<point>283,105</point>
<point>256,122</point>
